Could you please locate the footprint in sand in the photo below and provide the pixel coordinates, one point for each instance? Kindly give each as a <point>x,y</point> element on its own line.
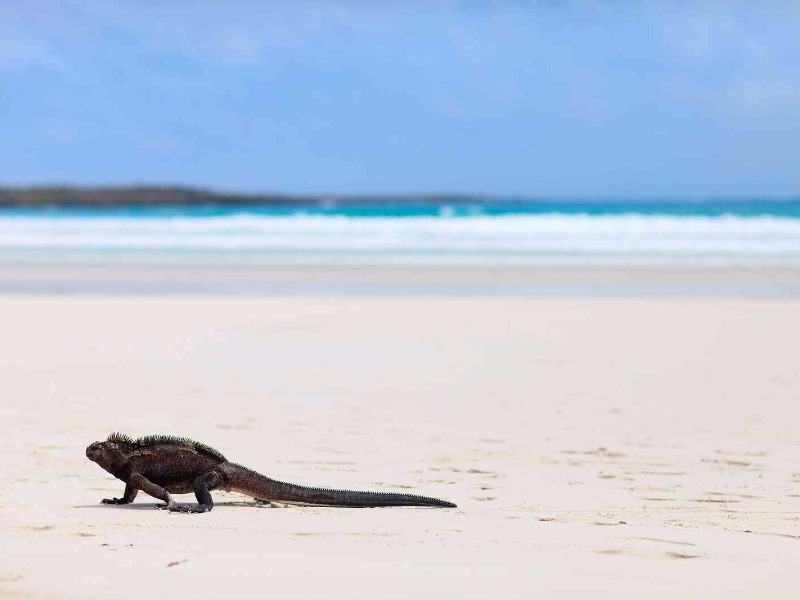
<point>37,527</point>
<point>600,451</point>
<point>681,555</point>
<point>651,548</point>
<point>743,496</point>
<point>739,463</point>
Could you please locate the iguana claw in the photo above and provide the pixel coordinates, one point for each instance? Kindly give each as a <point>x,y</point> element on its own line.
<point>190,508</point>
<point>184,508</point>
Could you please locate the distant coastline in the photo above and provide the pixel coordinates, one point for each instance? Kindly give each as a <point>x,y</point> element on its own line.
<point>189,196</point>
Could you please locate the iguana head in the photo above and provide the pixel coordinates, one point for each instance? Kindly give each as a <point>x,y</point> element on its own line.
<point>110,452</point>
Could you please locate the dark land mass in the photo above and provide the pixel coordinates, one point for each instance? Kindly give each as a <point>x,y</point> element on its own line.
<point>66,196</point>
<point>185,196</point>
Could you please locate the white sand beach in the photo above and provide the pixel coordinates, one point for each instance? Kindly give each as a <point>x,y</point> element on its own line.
<point>595,448</point>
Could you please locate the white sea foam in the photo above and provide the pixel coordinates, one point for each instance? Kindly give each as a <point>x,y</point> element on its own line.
<point>536,237</point>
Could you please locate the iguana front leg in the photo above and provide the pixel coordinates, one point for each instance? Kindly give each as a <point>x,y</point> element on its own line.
<point>127,496</point>
<point>141,482</point>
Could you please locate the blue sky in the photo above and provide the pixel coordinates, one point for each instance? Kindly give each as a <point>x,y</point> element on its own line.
<point>554,99</point>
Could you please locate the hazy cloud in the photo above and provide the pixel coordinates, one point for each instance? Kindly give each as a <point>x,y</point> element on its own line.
<point>506,98</point>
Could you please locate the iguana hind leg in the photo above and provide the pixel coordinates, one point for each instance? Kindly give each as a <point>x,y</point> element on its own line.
<point>202,486</point>
<point>127,496</point>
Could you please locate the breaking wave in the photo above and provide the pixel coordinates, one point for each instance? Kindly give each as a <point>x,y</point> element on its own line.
<point>536,238</point>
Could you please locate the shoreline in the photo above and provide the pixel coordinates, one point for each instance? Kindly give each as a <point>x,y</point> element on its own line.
<point>310,280</point>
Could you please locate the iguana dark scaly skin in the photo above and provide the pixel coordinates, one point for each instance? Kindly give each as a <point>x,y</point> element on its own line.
<point>160,465</point>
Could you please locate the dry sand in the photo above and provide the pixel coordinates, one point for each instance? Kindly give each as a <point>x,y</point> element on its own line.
<point>596,448</point>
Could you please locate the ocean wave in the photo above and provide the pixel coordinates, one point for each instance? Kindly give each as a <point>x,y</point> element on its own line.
<point>631,235</point>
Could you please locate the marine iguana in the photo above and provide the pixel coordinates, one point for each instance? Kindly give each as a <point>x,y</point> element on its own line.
<point>162,464</point>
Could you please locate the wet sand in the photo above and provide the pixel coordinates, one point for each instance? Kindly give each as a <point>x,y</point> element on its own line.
<point>618,448</point>
<point>189,275</point>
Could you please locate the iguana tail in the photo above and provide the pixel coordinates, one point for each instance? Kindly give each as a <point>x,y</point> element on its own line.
<point>245,481</point>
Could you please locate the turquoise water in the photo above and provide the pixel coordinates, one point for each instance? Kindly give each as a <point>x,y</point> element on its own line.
<point>452,207</point>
